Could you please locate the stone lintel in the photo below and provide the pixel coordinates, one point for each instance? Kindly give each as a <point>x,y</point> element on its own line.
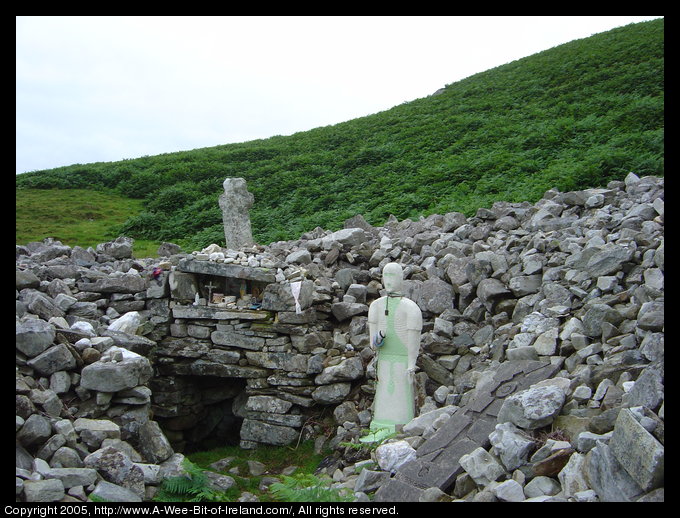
<point>217,313</point>
<point>235,271</point>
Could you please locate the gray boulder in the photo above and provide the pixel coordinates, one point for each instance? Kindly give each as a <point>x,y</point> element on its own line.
<point>34,336</point>
<point>651,316</point>
<point>345,310</point>
<point>129,282</point>
<point>532,408</point>
<point>120,248</point>
<point>40,304</point>
<point>482,467</point>
<point>152,443</point>
<point>56,358</point>
<point>26,279</point>
<point>71,477</point>
<point>109,492</point>
<point>436,296</point>
<point>51,490</point>
<point>347,236</point>
<point>116,467</point>
<point>257,431</point>
<point>347,370</point>
<point>511,445</point>
<point>331,394</point>
<point>608,260</point>
<point>608,478</point>
<point>111,374</point>
<point>490,291</point>
<point>640,454</point>
<point>35,431</point>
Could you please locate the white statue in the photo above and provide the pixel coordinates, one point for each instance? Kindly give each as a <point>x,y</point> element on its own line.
<point>395,323</point>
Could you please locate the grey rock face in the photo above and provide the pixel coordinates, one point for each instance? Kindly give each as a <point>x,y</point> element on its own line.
<point>51,490</point>
<point>153,444</point>
<point>483,467</point>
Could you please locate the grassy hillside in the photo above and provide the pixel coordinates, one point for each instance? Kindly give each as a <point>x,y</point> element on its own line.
<point>574,116</point>
<point>76,217</point>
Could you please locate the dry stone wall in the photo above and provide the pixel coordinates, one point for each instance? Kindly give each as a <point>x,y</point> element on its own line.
<point>128,362</point>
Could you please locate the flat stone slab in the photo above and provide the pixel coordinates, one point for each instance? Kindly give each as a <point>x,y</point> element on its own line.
<point>437,459</point>
<point>216,313</point>
<point>236,271</point>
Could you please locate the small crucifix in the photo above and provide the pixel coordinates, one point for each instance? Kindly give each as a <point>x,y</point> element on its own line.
<point>210,288</point>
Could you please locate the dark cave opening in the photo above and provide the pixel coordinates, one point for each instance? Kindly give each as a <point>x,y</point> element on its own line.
<point>199,413</point>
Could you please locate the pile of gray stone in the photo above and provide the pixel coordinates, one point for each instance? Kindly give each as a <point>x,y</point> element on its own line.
<point>574,283</point>
<point>110,356</point>
<point>84,429</point>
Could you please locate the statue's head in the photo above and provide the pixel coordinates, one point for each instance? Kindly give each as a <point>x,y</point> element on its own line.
<point>393,278</point>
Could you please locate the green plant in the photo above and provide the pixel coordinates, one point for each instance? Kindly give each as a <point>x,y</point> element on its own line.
<point>305,487</point>
<point>191,487</point>
<point>275,458</point>
<point>382,435</point>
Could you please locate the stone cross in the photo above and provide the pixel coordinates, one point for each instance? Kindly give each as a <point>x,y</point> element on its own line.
<point>394,323</point>
<point>235,202</point>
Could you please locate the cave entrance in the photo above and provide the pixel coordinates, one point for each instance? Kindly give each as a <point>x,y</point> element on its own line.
<point>202,414</point>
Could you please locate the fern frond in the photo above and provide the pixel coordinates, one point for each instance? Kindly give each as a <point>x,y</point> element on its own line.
<point>180,485</point>
<point>305,487</point>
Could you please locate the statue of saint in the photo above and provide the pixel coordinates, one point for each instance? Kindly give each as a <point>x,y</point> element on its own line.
<point>395,323</point>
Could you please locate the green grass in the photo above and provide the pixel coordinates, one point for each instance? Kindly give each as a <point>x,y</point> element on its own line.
<point>76,217</point>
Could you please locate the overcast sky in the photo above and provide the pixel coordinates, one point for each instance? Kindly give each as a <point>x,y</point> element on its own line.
<point>92,89</point>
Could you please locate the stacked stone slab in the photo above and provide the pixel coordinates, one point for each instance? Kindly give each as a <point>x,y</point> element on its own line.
<point>574,283</point>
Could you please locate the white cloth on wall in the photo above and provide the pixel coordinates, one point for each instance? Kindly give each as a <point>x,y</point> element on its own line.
<point>295,290</point>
